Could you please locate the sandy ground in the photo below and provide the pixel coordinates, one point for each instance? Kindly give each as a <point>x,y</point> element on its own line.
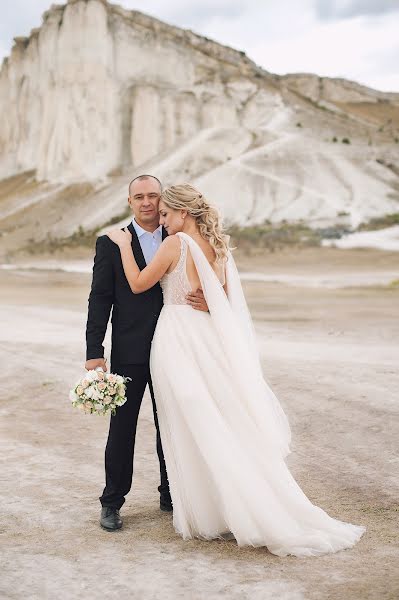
<point>330,354</point>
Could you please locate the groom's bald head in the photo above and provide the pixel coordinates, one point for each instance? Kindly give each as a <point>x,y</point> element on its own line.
<point>144,178</point>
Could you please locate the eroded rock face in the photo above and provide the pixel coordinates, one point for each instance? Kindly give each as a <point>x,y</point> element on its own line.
<point>328,89</point>
<point>98,87</point>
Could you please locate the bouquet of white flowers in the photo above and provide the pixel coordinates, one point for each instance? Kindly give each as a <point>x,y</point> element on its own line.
<point>99,393</point>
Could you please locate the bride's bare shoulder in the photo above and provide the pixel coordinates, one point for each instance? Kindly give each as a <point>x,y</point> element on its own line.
<point>171,241</point>
<point>171,245</point>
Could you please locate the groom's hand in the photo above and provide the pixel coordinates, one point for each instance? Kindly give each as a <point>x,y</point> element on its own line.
<point>197,300</point>
<point>93,363</point>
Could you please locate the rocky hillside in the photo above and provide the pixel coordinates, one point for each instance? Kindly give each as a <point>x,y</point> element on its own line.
<point>99,94</point>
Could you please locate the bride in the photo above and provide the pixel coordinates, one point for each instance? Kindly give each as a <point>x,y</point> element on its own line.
<point>224,434</point>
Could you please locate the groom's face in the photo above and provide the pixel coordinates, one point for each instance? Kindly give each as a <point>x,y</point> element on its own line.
<point>144,200</point>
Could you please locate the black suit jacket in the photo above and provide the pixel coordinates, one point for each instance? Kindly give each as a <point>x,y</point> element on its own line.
<point>134,316</point>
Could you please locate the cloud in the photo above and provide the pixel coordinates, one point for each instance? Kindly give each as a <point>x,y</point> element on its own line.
<point>342,9</point>
<point>357,49</point>
<point>382,67</point>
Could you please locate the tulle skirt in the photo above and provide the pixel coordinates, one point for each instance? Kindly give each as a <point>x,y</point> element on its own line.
<point>224,475</point>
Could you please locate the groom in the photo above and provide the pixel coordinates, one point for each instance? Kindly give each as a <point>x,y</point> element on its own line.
<point>134,317</point>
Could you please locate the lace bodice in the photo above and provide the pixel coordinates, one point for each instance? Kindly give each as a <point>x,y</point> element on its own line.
<point>175,285</point>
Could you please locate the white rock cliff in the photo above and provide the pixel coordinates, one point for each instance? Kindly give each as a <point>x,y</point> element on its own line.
<point>97,87</point>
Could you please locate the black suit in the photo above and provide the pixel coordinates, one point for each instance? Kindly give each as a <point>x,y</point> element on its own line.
<point>134,317</point>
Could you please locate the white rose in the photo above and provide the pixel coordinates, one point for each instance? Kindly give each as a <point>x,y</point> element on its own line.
<point>95,394</point>
<point>91,375</point>
<point>89,392</point>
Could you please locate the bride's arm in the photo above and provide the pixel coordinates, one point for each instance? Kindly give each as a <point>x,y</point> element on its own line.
<point>140,281</point>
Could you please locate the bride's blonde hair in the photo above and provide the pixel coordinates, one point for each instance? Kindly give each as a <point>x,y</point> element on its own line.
<point>186,197</point>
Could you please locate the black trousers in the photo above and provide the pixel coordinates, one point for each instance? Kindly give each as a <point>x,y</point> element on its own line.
<point>119,452</point>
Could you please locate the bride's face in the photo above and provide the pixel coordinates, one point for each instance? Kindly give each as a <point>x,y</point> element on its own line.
<point>172,220</point>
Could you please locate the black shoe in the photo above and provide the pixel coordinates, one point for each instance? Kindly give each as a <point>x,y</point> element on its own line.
<point>110,518</point>
<point>165,504</point>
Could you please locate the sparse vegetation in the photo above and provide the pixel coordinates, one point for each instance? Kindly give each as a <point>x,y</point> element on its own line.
<point>346,140</point>
<point>80,238</point>
<point>273,237</point>
<point>277,236</point>
<point>265,236</point>
<point>299,124</point>
<point>334,232</point>
<point>335,139</point>
<point>380,222</point>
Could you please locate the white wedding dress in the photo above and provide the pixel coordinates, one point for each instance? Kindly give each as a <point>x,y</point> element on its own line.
<point>224,433</point>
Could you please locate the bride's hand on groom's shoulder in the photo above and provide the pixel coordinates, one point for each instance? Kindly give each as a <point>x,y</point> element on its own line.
<point>120,236</point>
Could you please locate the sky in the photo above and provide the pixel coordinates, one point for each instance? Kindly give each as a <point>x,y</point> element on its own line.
<point>355,39</point>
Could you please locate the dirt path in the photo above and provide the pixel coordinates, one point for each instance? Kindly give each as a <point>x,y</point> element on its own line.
<point>332,358</point>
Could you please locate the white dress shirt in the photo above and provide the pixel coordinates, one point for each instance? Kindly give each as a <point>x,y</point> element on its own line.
<point>149,242</point>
